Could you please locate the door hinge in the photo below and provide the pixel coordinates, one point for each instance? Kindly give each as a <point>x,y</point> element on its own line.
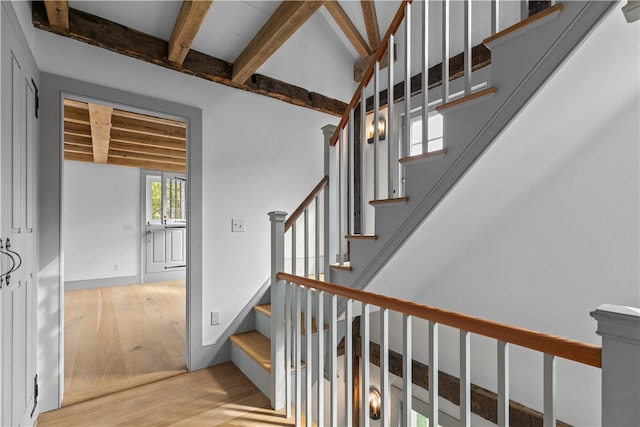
<point>35,395</point>
<point>37,96</point>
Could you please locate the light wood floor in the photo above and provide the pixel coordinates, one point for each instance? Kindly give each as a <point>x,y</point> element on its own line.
<point>121,337</point>
<point>124,366</point>
<point>218,396</point>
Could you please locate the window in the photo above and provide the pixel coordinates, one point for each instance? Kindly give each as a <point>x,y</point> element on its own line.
<point>166,199</point>
<point>435,133</point>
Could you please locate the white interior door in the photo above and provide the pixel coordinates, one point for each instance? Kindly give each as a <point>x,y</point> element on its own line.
<point>18,321</point>
<point>165,222</point>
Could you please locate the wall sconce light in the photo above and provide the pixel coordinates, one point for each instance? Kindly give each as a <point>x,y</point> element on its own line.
<point>382,131</point>
<point>375,403</point>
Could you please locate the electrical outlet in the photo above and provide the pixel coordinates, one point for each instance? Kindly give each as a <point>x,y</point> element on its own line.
<point>237,225</point>
<point>127,227</point>
<point>215,317</point>
<point>116,267</point>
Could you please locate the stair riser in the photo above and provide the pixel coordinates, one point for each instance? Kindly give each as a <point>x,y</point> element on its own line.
<point>263,324</point>
<point>258,375</point>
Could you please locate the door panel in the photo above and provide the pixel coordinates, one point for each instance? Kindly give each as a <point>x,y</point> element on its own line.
<point>18,177</point>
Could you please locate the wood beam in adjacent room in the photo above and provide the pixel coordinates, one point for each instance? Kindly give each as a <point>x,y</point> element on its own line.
<point>348,28</point>
<point>100,118</point>
<point>190,17</point>
<point>58,13</point>
<point>284,22</point>
<point>116,38</point>
<point>371,23</point>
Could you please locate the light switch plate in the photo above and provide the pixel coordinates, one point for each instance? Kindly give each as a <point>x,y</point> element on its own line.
<point>215,318</point>
<point>237,225</point>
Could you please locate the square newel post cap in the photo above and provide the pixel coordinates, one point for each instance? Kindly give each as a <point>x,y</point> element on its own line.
<point>277,216</point>
<point>618,322</point>
<point>329,130</point>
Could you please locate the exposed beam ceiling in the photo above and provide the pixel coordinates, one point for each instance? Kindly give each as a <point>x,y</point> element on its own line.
<point>108,35</point>
<point>284,22</point>
<point>136,140</point>
<point>371,23</point>
<point>188,22</point>
<point>58,13</point>
<point>348,28</point>
<point>100,120</point>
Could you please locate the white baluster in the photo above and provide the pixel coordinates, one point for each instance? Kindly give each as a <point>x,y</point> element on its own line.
<point>294,244</point>
<point>364,378</point>
<point>495,16</point>
<point>445,51</point>
<point>320,353</point>
<point>503,384</point>
<point>298,353</point>
<point>433,374</point>
<point>468,57</point>
<point>352,153</point>
<point>406,140</point>
<point>392,162</point>
<point>308,315</point>
<point>306,242</point>
<point>339,229</point>
<point>348,356</point>
<point>333,360</point>
<point>465,379</point>
<point>407,379</point>
<point>425,77</point>
<point>549,419</point>
<point>288,347</point>
<point>385,415</point>
<point>317,239</point>
<point>376,132</point>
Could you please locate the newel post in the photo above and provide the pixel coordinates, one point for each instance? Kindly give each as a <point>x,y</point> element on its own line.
<point>619,328</point>
<point>330,194</point>
<point>277,311</point>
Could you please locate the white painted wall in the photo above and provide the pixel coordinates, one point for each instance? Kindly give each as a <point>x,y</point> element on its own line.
<point>259,155</point>
<point>98,201</point>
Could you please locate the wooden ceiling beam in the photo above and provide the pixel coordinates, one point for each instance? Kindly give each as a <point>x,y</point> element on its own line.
<point>146,150</point>
<point>284,22</point>
<point>348,28</point>
<point>116,38</point>
<point>58,13</point>
<point>371,23</point>
<point>148,128</point>
<point>82,149</point>
<point>125,154</point>
<point>186,27</point>
<point>100,117</point>
<point>155,141</point>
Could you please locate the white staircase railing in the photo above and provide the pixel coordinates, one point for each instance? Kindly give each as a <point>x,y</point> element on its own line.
<point>619,326</point>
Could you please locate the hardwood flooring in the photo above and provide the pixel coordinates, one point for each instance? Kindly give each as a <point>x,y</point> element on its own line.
<point>124,350</point>
<point>121,337</point>
<point>217,396</point>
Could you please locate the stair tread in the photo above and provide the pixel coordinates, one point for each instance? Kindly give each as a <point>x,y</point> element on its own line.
<point>266,309</point>
<point>464,99</point>
<point>361,237</point>
<point>524,23</point>
<point>424,156</point>
<point>343,267</point>
<point>394,201</point>
<point>258,347</point>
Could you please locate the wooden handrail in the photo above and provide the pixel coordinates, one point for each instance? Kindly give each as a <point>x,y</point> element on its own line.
<point>577,351</point>
<point>306,202</point>
<point>366,77</point>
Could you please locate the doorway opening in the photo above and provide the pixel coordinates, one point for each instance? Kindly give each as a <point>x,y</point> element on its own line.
<point>125,243</point>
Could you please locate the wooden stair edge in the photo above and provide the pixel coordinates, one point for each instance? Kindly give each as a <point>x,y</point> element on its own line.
<point>389,202</point>
<point>263,308</point>
<point>256,346</point>
<point>470,99</point>
<point>431,155</point>
<point>361,237</point>
<point>509,32</point>
<point>340,267</point>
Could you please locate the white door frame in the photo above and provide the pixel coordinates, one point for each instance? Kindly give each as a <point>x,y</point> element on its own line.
<point>51,316</point>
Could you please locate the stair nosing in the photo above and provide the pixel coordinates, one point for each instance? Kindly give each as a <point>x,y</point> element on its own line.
<point>361,237</point>
<point>389,202</point>
<point>467,100</point>
<point>340,267</point>
<point>251,351</point>
<point>432,155</point>
<point>540,17</point>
